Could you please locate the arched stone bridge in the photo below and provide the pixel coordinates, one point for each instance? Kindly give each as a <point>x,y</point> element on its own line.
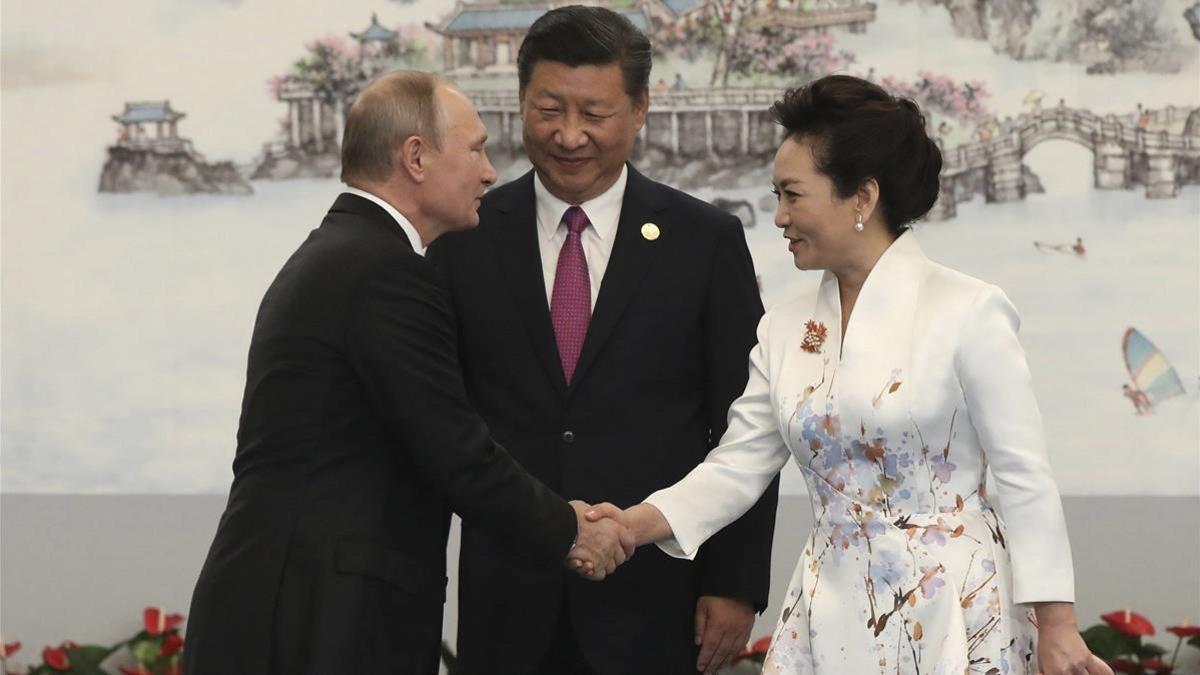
<point>1126,155</point>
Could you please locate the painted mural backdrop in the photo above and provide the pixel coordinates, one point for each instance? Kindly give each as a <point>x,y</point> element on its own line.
<point>163,157</point>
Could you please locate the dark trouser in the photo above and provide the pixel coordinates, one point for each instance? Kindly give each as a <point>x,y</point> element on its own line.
<point>564,657</point>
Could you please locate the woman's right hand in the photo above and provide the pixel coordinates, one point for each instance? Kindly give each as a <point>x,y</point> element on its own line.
<point>1061,650</point>
<point>645,521</point>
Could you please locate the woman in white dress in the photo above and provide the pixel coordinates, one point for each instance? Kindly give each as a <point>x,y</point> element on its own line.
<point>894,388</point>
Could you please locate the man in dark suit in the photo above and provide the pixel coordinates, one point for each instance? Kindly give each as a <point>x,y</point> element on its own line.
<point>605,323</point>
<point>356,439</point>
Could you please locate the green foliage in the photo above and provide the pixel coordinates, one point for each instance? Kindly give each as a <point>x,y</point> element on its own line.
<point>144,649</point>
<point>1108,643</point>
<point>335,68</point>
<point>1148,650</point>
<point>331,67</point>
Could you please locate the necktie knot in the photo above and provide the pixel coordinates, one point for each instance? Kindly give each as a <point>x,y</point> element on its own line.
<point>575,219</point>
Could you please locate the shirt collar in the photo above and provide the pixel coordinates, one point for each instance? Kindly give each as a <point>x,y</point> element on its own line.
<point>414,237</point>
<point>603,210</point>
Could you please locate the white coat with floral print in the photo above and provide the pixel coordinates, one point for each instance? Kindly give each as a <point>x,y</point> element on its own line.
<point>909,568</point>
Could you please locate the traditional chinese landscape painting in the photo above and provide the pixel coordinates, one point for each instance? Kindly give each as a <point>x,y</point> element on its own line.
<point>162,161</point>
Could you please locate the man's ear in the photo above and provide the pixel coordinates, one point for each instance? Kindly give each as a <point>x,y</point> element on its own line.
<point>641,105</point>
<point>521,101</point>
<point>410,157</point>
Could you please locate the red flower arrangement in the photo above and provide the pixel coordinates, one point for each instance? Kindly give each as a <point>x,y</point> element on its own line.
<point>1118,641</point>
<point>56,657</point>
<point>1184,631</point>
<point>814,336</point>
<point>157,649</point>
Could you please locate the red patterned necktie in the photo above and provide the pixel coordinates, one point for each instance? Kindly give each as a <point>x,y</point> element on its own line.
<point>571,299</point>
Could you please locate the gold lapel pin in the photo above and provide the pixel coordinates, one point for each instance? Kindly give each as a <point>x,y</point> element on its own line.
<point>650,232</point>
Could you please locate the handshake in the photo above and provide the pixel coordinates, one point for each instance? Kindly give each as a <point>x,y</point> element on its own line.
<point>605,540</point>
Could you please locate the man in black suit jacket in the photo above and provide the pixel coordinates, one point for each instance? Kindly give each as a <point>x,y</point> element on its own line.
<point>356,440</point>
<point>663,287</point>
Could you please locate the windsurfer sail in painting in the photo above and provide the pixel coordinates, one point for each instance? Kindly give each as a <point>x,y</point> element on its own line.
<point>1154,378</point>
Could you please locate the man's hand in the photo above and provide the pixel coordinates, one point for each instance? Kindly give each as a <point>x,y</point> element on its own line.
<point>723,627</point>
<point>602,545</point>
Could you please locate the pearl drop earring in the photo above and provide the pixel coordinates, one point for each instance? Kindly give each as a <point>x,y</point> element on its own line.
<point>858,223</point>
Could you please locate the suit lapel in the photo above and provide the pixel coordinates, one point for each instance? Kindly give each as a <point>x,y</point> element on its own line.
<point>631,257</point>
<point>520,259</point>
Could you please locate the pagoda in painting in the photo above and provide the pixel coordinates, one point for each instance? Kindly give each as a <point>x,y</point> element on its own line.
<point>151,156</point>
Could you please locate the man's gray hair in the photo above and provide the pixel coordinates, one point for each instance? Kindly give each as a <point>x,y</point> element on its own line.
<point>395,106</point>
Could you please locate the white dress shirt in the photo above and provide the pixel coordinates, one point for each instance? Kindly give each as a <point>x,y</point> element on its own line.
<point>603,212</point>
<point>414,237</point>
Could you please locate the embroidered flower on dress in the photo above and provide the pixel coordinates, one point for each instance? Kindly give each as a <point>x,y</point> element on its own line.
<point>814,336</point>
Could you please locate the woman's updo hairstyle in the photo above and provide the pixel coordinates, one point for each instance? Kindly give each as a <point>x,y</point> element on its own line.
<point>857,132</point>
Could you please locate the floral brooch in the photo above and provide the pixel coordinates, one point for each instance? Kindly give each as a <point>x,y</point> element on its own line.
<point>814,337</point>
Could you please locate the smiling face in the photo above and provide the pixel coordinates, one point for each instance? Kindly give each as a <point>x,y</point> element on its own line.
<point>579,127</point>
<point>459,170</point>
<point>818,224</point>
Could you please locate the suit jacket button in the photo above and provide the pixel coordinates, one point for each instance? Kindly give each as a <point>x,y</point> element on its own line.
<point>568,437</point>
